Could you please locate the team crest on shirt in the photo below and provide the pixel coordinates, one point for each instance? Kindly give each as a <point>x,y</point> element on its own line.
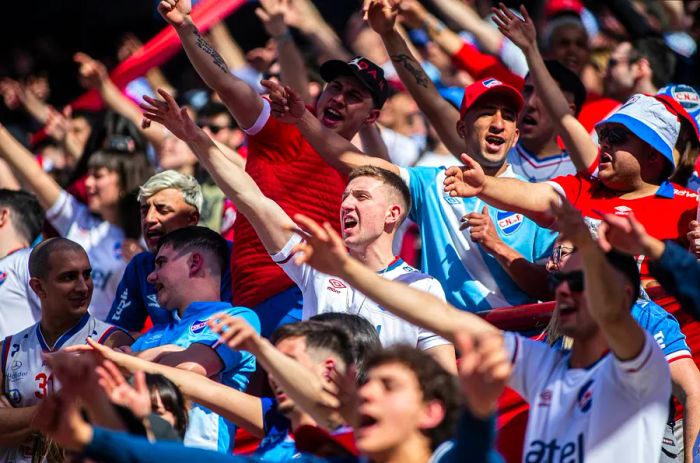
<point>335,285</point>
<point>585,396</point>
<point>508,222</point>
<point>3,277</point>
<point>198,326</point>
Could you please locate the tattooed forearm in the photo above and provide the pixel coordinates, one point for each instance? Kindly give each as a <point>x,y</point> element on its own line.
<point>412,67</point>
<point>209,50</point>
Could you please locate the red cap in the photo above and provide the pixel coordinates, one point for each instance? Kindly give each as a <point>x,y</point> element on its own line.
<point>490,86</point>
<point>555,7</point>
<point>315,440</point>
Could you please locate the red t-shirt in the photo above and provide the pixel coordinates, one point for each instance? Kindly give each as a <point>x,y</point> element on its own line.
<point>289,171</point>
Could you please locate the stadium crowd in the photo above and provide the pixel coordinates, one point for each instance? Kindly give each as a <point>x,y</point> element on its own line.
<point>455,232</point>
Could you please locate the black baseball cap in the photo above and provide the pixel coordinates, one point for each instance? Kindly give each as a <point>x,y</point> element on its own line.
<point>369,74</point>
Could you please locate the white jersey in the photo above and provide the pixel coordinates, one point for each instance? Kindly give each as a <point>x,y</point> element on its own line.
<point>324,293</point>
<point>536,169</point>
<point>101,240</point>
<point>19,304</point>
<point>27,380</point>
<point>613,411</point>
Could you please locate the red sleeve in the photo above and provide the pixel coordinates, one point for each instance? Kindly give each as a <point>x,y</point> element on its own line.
<point>571,185</point>
<point>276,142</point>
<point>481,65</point>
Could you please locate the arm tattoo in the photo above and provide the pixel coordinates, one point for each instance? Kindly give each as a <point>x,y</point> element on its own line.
<point>209,50</point>
<point>412,67</point>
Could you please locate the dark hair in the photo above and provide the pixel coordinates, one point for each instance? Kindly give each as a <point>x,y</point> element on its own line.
<point>40,256</point>
<point>625,264</point>
<point>171,397</point>
<point>318,335</point>
<point>661,59</point>
<point>434,381</point>
<point>198,237</point>
<point>27,214</point>
<point>568,82</point>
<point>388,178</point>
<point>363,336</point>
<point>212,108</point>
<point>133,169</point>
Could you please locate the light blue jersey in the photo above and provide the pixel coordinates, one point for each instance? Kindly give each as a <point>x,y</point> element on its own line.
<point>206,429</point>
<point>663,327</point>
<point>473,280</point>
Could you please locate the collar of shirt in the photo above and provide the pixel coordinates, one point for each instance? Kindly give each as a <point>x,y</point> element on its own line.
<point>196,308</point>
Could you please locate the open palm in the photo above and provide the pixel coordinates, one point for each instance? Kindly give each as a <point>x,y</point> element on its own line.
<point>520,31</point>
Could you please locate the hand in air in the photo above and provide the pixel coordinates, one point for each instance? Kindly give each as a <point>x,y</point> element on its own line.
<point>322,248</point>
<point>168,113</point>
<point>465,181</point>
<point>285,103</point>
<point>520,31</point>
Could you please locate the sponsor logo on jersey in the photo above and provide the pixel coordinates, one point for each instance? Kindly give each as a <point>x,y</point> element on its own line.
<point>3,277</point>
<point>450,199</point>
<point>14,396</point>
<point>198,326</point>
<point>153,301</point>
<point>545,398</point>
<point>659,338</point>
<point>687,193</point>
<point>16,365</point>
<point>585,396</point>
<point>540,451</point>
<point>124,303</point>
<point>508,222</point>
<point>408,268</point>
<point>17,376</point>
<point>622,210</point>
<point>335,285</point>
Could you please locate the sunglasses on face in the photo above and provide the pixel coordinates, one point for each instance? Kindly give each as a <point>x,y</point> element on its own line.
<point>614,135</point>
<point>214,129</point>
<point>559,252</point>
<point>575,280</point>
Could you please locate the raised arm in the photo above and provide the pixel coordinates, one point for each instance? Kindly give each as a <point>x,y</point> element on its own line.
<point>266,216</point>
<point>243,409</point>
<point>24,165</point>
<point>300,383</point>
<point>608,301</point>
<point>243,102</point>
<point>93,74</point>
<point>464,15</point>
<point>508,194</point>
<point>582,150</point>
<point>323,249</point>
<point>381,16</point>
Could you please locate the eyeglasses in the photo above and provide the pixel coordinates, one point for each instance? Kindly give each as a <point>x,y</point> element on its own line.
<point>614,135</point>
<point>214,129</point>
<point>575,280</point>
<point>559,252</point>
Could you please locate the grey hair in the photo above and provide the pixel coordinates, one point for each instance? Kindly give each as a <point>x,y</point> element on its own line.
<point>188,186</point>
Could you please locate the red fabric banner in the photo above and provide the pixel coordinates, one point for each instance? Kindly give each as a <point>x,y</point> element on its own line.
<point>159,49</point>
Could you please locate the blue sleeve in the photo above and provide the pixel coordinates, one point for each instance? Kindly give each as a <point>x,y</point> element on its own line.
<point>229,357</point>
<point>226,293</point>
<point>543,245</point>
<point>473,443</point>
<point>119,447</point>
<point>127,310</point>
<point>678,271</point>
<point>420,179</point>
<point>667,332</point>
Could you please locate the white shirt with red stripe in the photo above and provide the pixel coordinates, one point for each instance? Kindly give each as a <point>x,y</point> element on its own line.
<point>324,293</point>
<point>26,378</point>
<point>539,169</point>
<point>612,411</point>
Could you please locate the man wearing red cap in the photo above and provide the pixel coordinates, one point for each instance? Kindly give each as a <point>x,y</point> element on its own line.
<point>280,160</point>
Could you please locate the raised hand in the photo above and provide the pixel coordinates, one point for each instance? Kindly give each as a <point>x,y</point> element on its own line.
<point>623,233</point>
<point>235,332</point>
<point>58,124</point>
<point>274,15</point>
<point>570,224</point>
<point>381,15</point>
<point>91,72</point>
<point>465,181</point>
<point>168,113</point>
<point>520,31</point>
<point>322,248</point>
<point>285,103</point>
<point>484,370</point>
<point>482,229</point>
<point>413,13</point>
<point>175,12</point>
<point>136,398</point>
<point>345,392</point>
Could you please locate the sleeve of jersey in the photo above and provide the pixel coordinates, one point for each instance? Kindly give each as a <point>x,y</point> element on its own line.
<point>269,138</point>
<point>416,178</point>
<point>428,339</point>
<point>127,310</point>
<point>570,186</point>
<point>481,65</point>
<point>532,362</point>
<point>647,373</point>
<point>119,447</point>
<point>299,274</point>
<point>229,357</point>
<point>64,212</point>
<point>678,271</point>
<point>667,334</point>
